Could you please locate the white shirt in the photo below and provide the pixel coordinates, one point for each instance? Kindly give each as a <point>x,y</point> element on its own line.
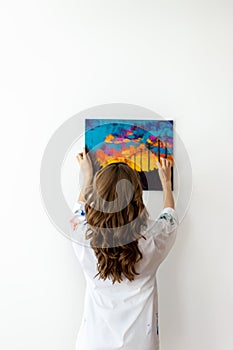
<point>123,315</point>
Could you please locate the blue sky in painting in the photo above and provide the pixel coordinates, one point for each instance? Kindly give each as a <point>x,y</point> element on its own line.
<point>96,131</point>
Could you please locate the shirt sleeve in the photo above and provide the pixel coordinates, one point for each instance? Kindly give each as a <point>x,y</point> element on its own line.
<point>164,232</point>
<point>78,224</point>
<point>79,214</point>
<point>167,221</point>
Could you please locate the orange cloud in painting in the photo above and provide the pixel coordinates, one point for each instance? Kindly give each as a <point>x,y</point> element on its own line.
<point>139,157</point>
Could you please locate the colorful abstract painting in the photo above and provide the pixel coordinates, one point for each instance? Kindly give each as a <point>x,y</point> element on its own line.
<point>138,143</point>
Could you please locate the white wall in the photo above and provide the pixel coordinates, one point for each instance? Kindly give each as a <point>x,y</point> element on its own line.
<point>60,57</point>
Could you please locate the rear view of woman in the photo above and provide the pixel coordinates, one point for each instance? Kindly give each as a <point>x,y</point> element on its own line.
<point>121,251</point>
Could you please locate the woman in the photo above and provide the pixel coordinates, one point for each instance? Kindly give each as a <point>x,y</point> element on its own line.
<point>123,247</point>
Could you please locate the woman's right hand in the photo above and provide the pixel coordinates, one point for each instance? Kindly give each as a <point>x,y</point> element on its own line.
<point>164,172</point>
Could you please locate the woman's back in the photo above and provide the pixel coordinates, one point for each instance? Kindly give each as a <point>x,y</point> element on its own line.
<point>124,315</point>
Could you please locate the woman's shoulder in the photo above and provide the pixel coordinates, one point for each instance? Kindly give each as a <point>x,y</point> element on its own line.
<point>166,222</point>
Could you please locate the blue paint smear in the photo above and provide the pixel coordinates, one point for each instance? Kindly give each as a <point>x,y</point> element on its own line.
<point>96,131</point>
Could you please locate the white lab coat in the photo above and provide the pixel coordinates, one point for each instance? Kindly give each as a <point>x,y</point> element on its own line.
<point>123,315</point>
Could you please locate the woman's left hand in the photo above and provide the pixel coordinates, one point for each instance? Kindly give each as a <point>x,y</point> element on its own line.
<point>85,164</point>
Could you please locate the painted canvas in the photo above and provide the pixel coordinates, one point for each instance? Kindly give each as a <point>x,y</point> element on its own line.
<point>138,143</point>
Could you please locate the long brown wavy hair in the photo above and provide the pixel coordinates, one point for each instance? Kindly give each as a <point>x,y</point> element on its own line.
<point>115,213</point>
